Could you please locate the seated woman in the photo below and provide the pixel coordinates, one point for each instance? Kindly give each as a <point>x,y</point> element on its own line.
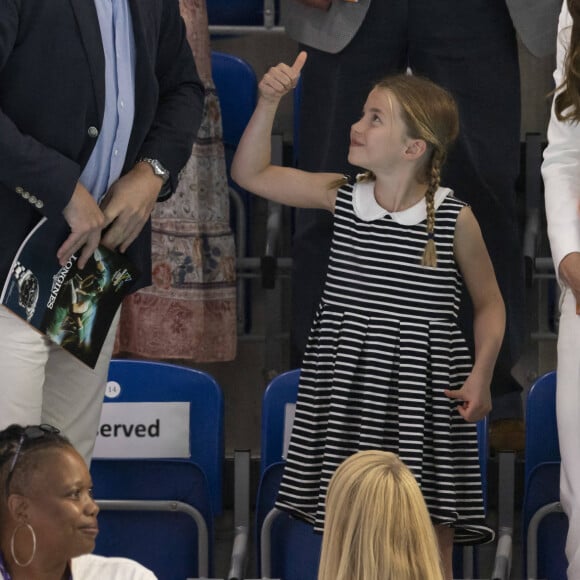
<point>48,518</point>
<point>377,525</point>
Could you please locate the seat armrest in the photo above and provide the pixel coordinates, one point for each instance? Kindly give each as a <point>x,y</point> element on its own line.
<point>239,555</point>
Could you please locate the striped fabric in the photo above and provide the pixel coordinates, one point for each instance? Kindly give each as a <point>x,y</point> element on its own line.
<point>383,347</point>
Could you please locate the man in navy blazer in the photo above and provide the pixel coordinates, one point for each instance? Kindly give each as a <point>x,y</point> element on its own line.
<point>88,88</point>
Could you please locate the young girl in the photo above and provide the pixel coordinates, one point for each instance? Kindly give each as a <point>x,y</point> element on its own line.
<point>386,366</point>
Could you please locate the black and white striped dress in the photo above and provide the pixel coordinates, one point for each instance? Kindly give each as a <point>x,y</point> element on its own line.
<point>383,346</point>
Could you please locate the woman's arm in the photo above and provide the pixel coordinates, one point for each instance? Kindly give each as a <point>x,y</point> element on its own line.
<point>252,168</point>
<point>488,316</point>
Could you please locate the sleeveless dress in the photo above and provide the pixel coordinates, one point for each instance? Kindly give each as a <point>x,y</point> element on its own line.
<point>383,346</point>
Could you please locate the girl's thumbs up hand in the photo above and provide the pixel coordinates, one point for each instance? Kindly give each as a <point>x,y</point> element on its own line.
<point>281,79</point>
<point>299,62</point>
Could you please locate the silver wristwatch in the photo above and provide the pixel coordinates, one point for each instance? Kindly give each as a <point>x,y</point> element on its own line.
<point>158,169</point>
<point>27,289</point>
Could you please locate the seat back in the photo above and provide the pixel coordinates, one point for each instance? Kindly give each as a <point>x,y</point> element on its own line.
<point>156,512</point>
<point>189,409</point>
<point>240,13</point>
<point>542,489</point>
<point>541,428</point>
<point>542,480</point>
<point>290,536</point>
<point>160,440</point>
<point>277,406</point>
<point>236,85</point>
<point>235,12</point>
<point>237,88</point>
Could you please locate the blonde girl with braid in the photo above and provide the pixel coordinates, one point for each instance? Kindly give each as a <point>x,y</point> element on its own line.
<point>386,366</point>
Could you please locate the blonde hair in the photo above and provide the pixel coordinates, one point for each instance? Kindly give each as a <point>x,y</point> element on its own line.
<point>430,114</point>
<point>377,525</point>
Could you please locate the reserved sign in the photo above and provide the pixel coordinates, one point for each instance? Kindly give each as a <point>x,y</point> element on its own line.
<point>143,430</point>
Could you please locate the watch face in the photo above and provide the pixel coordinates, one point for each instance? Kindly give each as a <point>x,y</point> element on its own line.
<point>29,290</point>
<point>158,169</point>
<point>28,293</point>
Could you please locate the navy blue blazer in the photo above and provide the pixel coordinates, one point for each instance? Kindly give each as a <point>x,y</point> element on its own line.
<point>52,96</point>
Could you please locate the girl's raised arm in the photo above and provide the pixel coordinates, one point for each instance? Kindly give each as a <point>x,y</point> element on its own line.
<point>252,168</point>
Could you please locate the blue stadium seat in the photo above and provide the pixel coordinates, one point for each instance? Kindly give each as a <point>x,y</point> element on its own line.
<point>157,504</point>
<point>544,524</point>
<point>242,13</point>
<point>280,394</point>
<point>278,546</point>
<point>235,12</point>
<point>156,512</point>
<point>541,428</point>
<point>283,537</point>
<point>236,85</point>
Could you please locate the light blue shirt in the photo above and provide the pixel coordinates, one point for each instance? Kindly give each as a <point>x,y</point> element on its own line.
<point>108,157</point>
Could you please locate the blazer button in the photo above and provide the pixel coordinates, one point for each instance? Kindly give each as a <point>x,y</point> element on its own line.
<point>19,190</point>
<point>25,194</point>
<point>32,199</point>
<point>39,204</point>
<point>93,132</point>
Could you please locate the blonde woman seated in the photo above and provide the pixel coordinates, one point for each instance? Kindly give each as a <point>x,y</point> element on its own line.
<point>377,525</point>
<point>48,518</point>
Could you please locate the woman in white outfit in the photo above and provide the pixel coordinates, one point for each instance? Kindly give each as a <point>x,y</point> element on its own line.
<point>561,172</point>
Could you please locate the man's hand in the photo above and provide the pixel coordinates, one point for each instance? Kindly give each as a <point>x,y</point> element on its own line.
<point>570,274</point>
<point>86,221</point>
<point>128,205</point>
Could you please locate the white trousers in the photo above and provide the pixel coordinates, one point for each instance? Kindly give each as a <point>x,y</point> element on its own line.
<point>568,414</point>
<point>40,382</point>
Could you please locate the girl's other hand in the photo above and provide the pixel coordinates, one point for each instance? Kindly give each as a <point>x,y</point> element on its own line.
<point>281,79</point>
<point>475,395</point>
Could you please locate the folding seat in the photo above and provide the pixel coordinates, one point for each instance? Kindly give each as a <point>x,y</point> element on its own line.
<point>281,538</point>
<point>544,524</point>
<point>242,14</point>
<point>157,467</point>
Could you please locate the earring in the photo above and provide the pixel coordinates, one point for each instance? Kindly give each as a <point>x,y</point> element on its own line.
<point>13,537</point>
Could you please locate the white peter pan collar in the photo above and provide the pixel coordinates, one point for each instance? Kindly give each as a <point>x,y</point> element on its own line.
<point>367,209</point>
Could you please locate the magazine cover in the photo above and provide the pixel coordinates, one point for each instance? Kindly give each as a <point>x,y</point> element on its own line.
<point>73,307</point>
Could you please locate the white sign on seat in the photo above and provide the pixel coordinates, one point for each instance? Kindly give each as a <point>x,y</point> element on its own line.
<point>143,430</point>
